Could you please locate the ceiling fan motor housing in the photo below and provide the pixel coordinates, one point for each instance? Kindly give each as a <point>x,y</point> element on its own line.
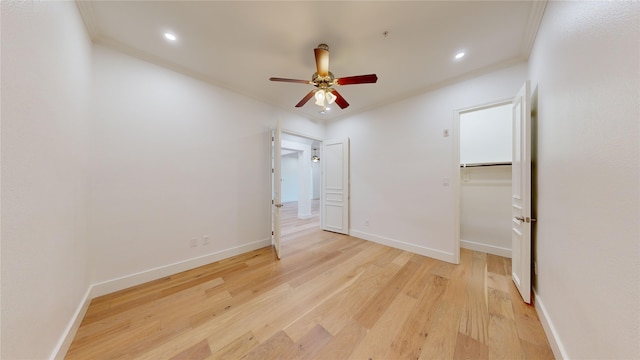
<point>323,82</point>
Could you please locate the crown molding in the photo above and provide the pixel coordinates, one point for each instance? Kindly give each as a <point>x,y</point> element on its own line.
<point>533,24</point>
<point>89,18</point>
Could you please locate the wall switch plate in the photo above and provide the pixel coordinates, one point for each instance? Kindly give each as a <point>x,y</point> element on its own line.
<point>205,240</point>
<point>445,182</point>
<point>194,242</point>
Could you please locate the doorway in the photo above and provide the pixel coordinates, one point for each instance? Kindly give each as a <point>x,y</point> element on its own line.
<point>301,184</point>
<point>485,154</point>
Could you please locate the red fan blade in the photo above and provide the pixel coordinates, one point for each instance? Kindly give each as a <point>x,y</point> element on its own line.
<point>359,79</point>
<point>340,100</point>
<point>306,98</point>
<point>290,80</point>
<point>322,60</point>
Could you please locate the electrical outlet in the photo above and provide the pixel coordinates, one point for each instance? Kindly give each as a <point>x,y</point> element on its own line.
<point>194,242</point>
<point>205,240</point>
<point>445,133</point>
<point>366,222</point>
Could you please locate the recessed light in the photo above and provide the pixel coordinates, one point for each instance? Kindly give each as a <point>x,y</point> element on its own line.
<point>460,55</point>
<point>170,36</point>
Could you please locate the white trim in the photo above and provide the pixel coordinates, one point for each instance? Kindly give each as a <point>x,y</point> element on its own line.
<point>490,249</point>
<point>298,134</point>
<point>533,24</point>
<point>559,351</point>
<point>142,277</point>
<point>90,21</point>
<point>60,351</point>
<point>416,249</point>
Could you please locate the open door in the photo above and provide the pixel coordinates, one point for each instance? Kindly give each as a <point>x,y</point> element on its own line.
<point>334,199</point>
<point>521,194</point>
<point>276,187</point>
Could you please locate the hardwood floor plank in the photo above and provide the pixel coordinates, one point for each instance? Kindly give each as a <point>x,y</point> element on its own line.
<point>419,282</point>
<point>408,342</point>
<point>279,346</point>
<point>199,351</point>
<point>311,343</point>
<point>536,352</point>
<point>377,341</point>
<point>500,304</point>
<point>237,348</point>
<point>475,317</point>
<point>470,348</point>
<point>503,340</point>
<point>527,321</point>
<point>343,343</point>
<point>441,340</point>
<point>374,308</point>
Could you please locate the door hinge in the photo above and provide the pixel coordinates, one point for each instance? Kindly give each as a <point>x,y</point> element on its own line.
<point>271,202</point>
<point>273,233</point>
<point>273,170</point>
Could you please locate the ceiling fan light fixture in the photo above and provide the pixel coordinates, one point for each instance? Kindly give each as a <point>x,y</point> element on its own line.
<point>330,97</point>
<point>319,98</point>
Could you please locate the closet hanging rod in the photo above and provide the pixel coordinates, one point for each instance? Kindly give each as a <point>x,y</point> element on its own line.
<point>485,164</point>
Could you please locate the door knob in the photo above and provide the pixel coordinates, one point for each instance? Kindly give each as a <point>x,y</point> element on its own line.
<point>519,218</point>
<point>278,205</point>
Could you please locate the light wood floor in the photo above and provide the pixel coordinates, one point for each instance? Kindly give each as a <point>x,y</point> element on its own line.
<point>330,297</point>
<point>290,224</point>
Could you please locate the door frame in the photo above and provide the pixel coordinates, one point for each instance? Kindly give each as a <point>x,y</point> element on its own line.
<point>271,178</point>
<point>456,165</point>
<point>293,133</point>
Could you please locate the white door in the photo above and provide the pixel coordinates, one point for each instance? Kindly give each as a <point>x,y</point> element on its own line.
<point>521,194</point>
<point>334,205</point>
<point>276,187</point>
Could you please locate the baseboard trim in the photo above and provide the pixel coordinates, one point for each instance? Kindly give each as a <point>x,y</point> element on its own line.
<point>489,249</point>
<point>417,249</point>
<point>109,286</point>
<point>60,351</point>
<point>552,335</point>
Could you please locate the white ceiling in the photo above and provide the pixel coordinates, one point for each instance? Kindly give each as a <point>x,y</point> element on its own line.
<point>239,45</point>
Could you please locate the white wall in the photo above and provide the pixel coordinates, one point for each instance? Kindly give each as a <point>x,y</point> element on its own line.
<point>485,135</point>
<point>315,178</point>
<point>46,71</point>
<point>399,160</point>
<point>485,209</point>
<point>585,68</point>
<point>290,177</point>
<point>174,159</point>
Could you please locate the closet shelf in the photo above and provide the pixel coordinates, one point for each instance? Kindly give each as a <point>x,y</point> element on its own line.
<point>485,164</point>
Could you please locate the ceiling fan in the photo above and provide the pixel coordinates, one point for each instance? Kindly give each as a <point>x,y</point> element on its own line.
<point>324,81</point>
